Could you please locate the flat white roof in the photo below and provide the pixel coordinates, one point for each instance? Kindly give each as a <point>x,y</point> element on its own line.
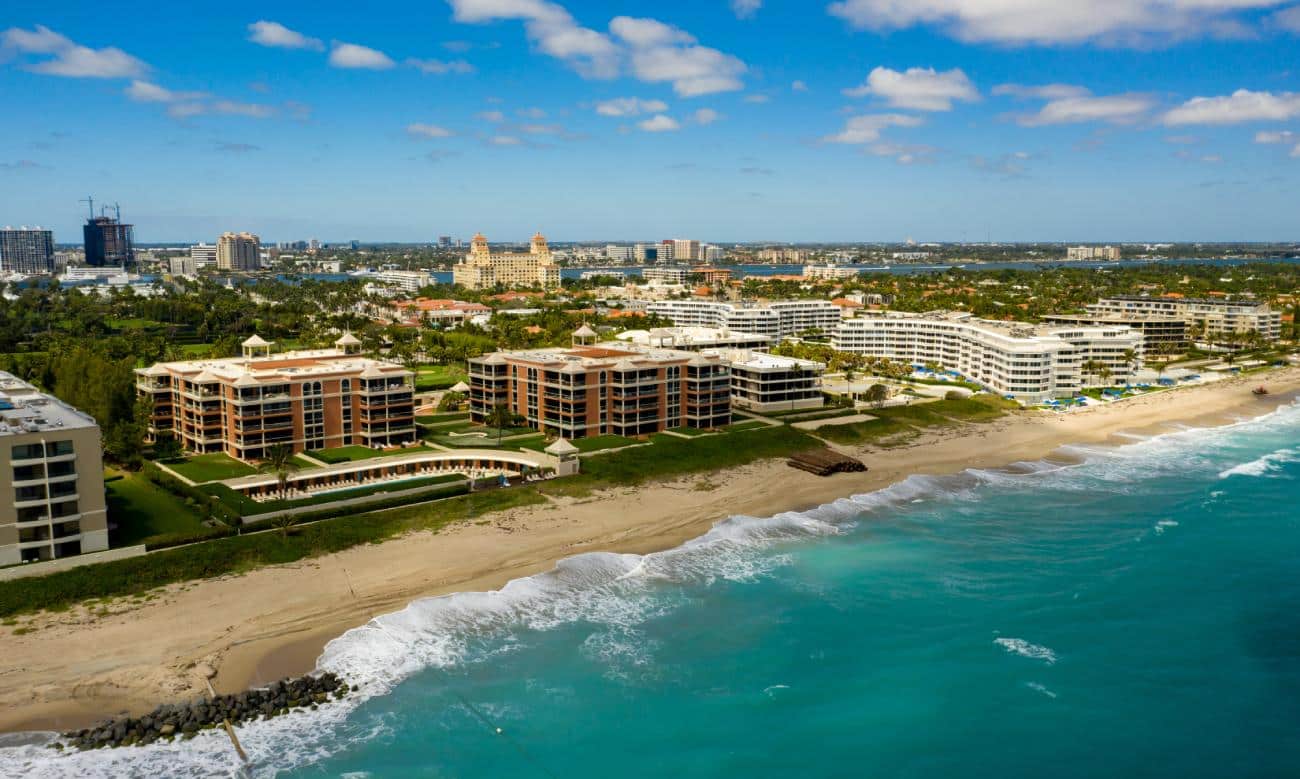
<point>25,409</point>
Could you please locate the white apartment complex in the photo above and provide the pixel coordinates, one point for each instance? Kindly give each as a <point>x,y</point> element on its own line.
<point>405,280</point>
<point>767,382</point>
<point>781,319</point>
<point>666,274</point>
<point>51,477</point>
<point>695,339</point>
<point>829,271</point>
<point>1213,317</point>
<point>685,250</point>
<point>484,269</point>
<point>239,252</point>
<point>1029,363</point>
<point>1092,253</point>
<point>204,255</point>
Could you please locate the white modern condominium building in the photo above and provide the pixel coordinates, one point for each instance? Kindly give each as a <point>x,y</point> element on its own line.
<point>781,318</point>
<point>1029,363</point>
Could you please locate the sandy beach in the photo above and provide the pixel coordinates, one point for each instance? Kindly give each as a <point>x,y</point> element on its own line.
<point>77,667</point>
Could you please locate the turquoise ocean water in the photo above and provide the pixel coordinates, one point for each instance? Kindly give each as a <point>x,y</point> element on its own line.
<point>1135,614</point>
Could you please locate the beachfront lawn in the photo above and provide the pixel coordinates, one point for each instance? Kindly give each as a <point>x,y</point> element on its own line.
<point>673,456</point>
<point>211,467</point>
<point>534,440</point>
<point>353,453</point>
<point>881,432</point>
<point>139,509</point>
<point>249,551</point>
<point>745,424</point>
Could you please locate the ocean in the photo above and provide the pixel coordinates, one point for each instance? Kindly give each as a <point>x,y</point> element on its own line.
<point>1133,612</point>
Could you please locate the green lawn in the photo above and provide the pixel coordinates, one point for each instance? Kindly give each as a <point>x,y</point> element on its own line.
<point>347,454</point>
<point>875,431</point>
<point>211,467</point>
<point>438,419</point>
<point>141,509</point>
<point>436,377</point>
<point>535,441</point>
<point>745,424</point>
<point>690,432</point>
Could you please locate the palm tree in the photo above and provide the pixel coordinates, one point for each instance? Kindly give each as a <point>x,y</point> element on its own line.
<point>279,460</point>
<point>500,417</point>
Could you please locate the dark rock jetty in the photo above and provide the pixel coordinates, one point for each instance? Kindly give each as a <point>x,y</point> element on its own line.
<point>183,720</point>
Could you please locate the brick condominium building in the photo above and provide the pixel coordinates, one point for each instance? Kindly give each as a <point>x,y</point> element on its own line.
<point>587,390</point>
<point>311,399</point>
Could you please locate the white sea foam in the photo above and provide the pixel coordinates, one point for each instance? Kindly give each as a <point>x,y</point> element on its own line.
<point>1021,647</point>
<point>614,592</point>
<point>1163,524</point>
<point>1263,466</point>
<point>1041,688</point>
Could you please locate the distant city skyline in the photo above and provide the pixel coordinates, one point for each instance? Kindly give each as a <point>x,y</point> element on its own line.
<point>723,121</point>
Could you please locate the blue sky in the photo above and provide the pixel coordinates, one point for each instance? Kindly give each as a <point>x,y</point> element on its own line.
<point>723,120</point>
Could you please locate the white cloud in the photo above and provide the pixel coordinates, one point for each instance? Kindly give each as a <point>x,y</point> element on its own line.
<point>531,113</point>
<point>659,123</point>
<point>1241,106</point>
<point>275,34</point>
<point>1055,21</point>
<point>185,110</point>
<point>630,106</point>
<point>798,86</point>
<point>541,129</point>
<point>491,116</point>
<point>552,29</point>
<point>706,116</point>
<point>440,68</point>
<point>654,52</point>
<point>918,89</point>
<point>1279,136</point>
<point>1117,109</point>
<point>868,127</point>
<point>903,153</point>
<point>1041,92</point>
<point>421,130</point>
<point>146,92</point>
<point>1288,19</point>
<point>67,58</point>
<point>505,140</point>
<point>757,99</point>
<point>662,53</point>
<point>355,56</point>
<point>744,9</point>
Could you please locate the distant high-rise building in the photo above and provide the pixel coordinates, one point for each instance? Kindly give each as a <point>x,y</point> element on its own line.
<point>354,245</point>
<point>29,251</point>
<point>652,252</point>
<point>238,252</point>
<point>615,253</point>
<point>444,241</point>
<point>685,250</point>
<point>182,266</point>
<point>204,255</point>
<point>108,242</point>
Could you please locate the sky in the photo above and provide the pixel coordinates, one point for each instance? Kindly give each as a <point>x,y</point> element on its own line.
<point>720,120</point>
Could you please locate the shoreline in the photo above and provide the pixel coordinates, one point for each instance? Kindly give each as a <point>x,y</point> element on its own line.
<point>78,667</point>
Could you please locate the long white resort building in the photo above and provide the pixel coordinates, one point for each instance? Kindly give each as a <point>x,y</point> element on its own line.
<point>782,318</point>
<point>1026,362</point>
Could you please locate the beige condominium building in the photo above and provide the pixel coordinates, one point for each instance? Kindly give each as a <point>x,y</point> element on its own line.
<point>239,252</point>
<point>615,389</point>
<point>309,399</point>
<point>483,268</point>
<point>1211,317</point>
<point>51,477</point>
<point>1027,362</point>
